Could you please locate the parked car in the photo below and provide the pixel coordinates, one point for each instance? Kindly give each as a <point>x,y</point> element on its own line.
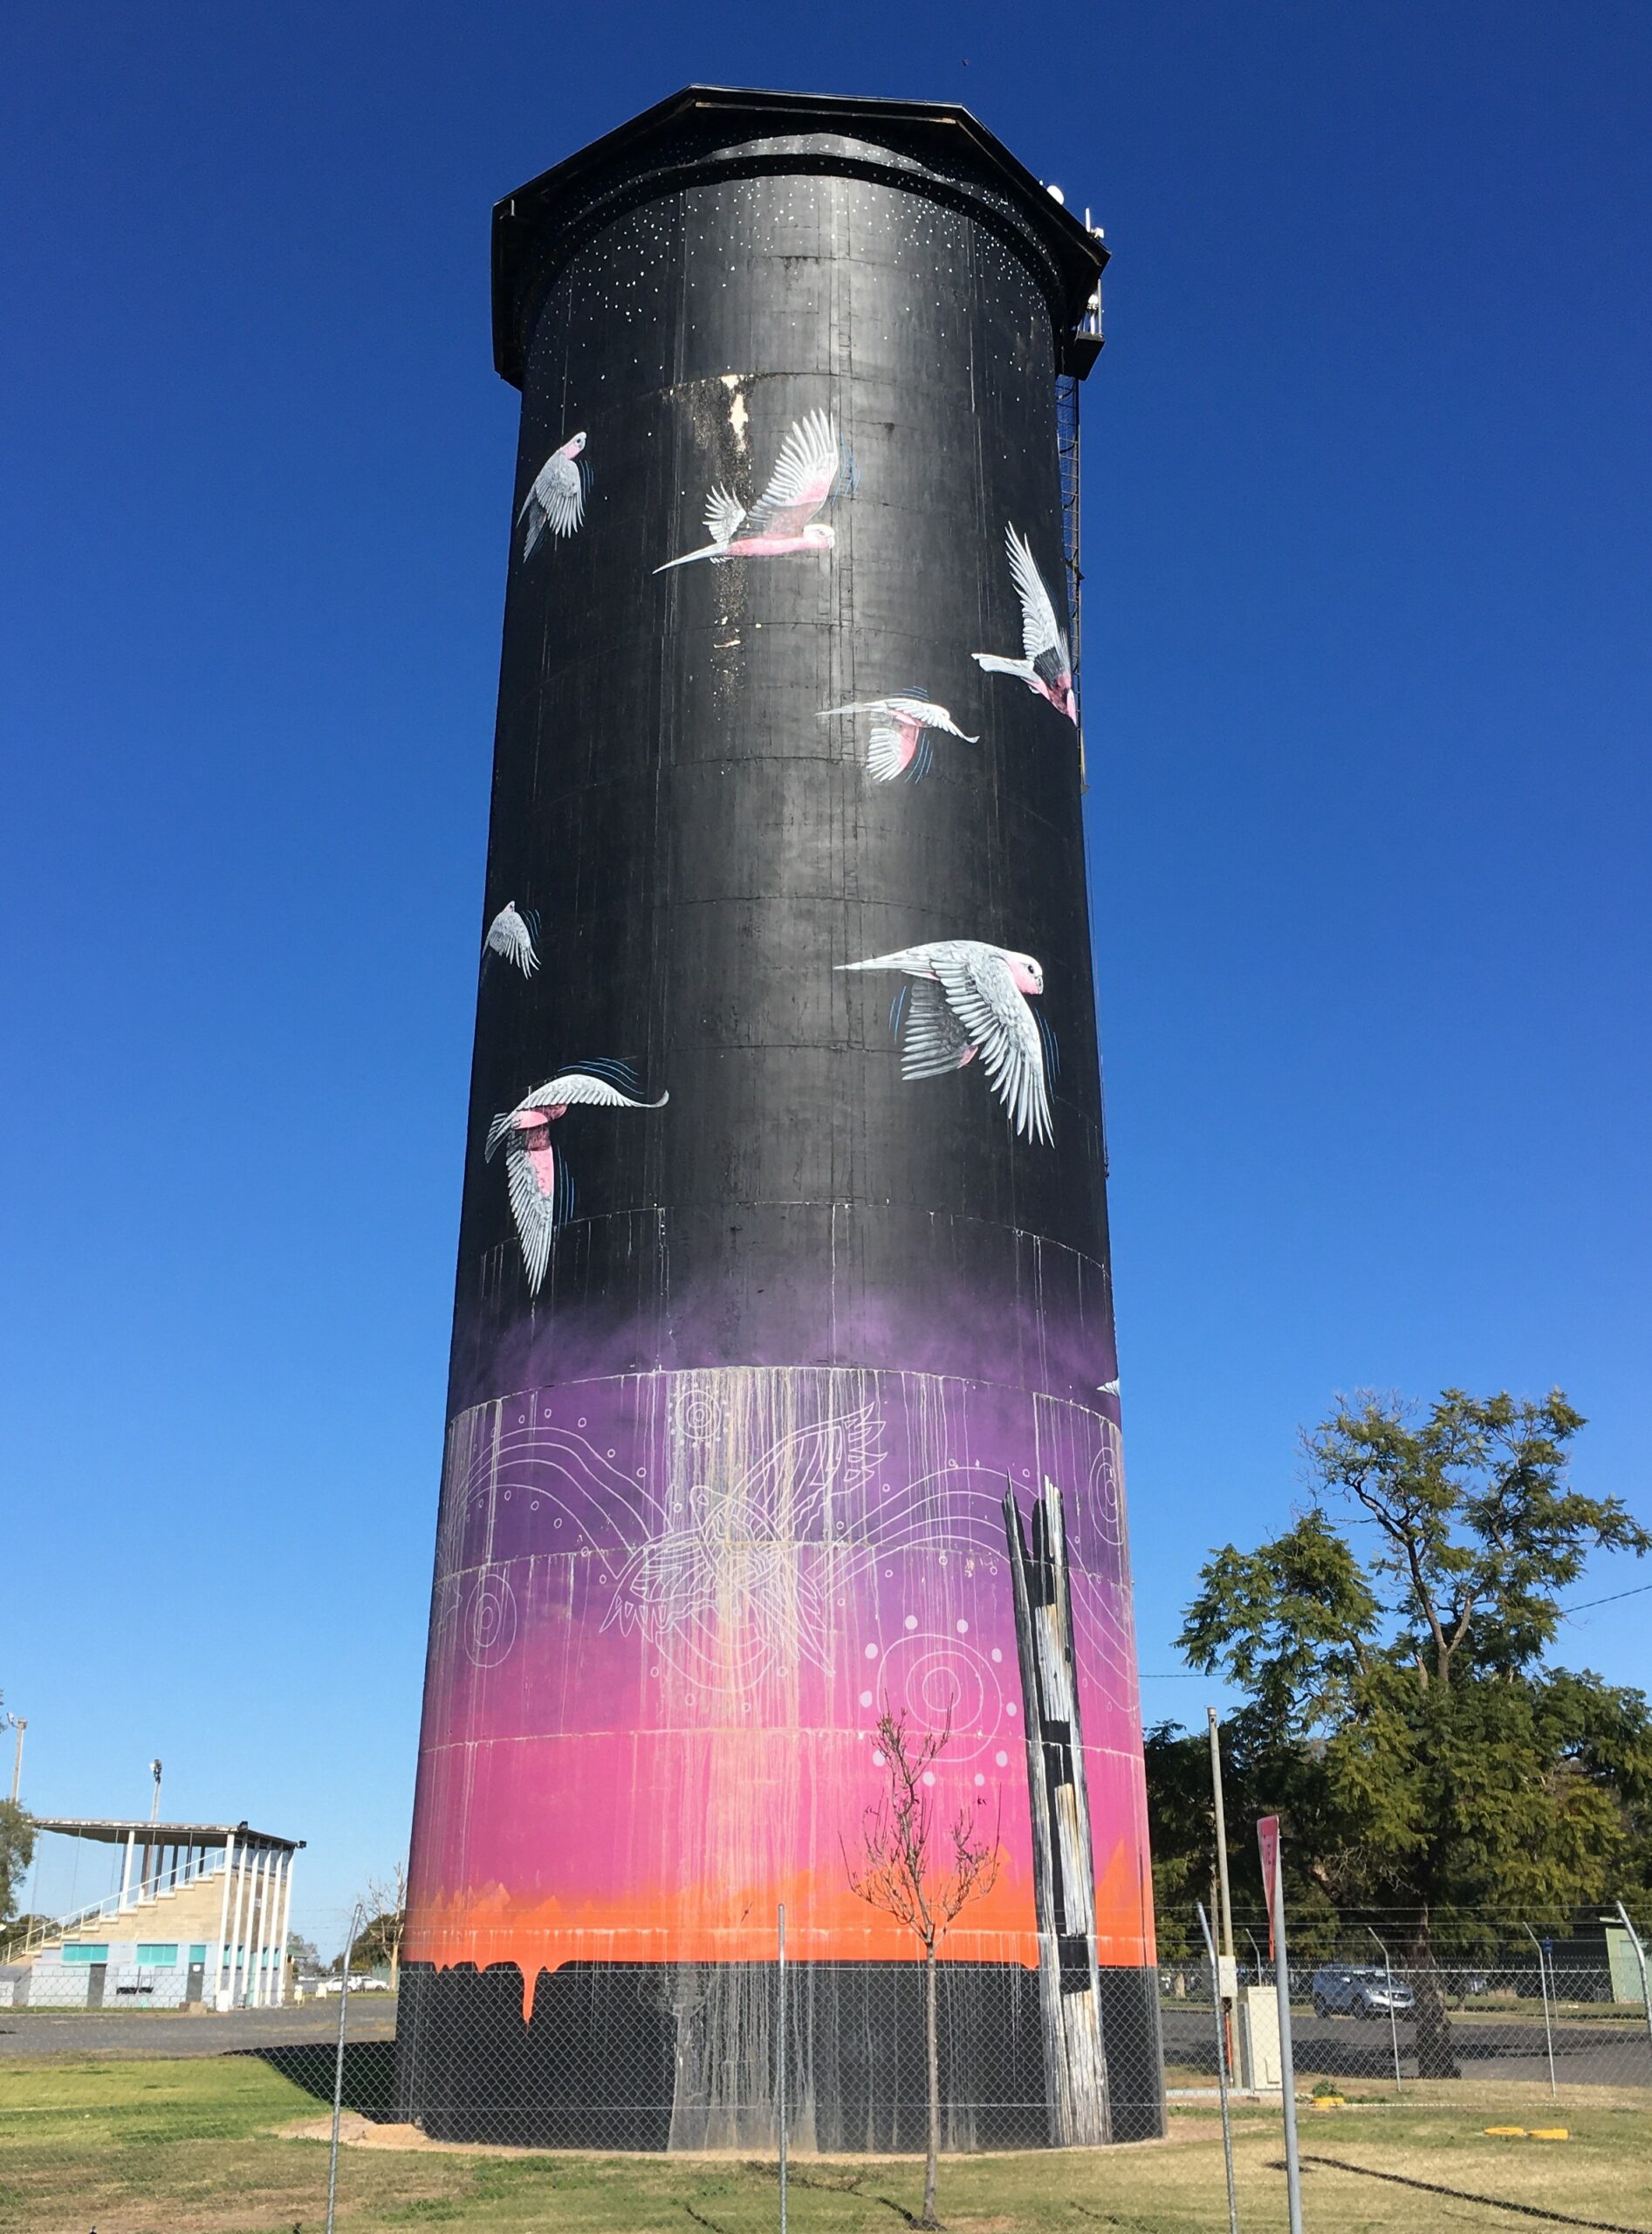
<point>1346,1988</point>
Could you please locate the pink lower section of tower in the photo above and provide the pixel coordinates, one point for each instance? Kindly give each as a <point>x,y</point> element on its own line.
<point>669,1609</point>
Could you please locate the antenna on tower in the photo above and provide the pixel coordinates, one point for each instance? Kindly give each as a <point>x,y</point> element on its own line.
<point>1066,435</point>
<point>1066,439</point>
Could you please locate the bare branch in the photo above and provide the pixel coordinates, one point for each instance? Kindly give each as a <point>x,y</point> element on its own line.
<point>896,1870</point>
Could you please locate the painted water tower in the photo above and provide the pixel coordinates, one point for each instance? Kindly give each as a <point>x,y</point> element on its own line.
<point>783,1385</point>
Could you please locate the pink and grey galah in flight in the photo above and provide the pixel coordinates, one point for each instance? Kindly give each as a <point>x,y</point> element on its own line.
<point>556,498</point>
<point>511,934</point>
<point>541,1194</point>
<point>783,519</point>
<point>899,737</point>
<point>968,999</point>
<point>1046,665</point>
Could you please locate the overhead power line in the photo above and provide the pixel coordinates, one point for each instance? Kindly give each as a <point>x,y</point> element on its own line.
<point>1191,1675</point>
<point>1639,1590</point>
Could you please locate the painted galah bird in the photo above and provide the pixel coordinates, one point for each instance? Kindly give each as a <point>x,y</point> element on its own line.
<point>556,498</point>
<point>968,999</point>
<point>540,1192</point>
<point>899,738</point>
<point>1046,668</point>
<point>783,519</point>
<point>512,933</point>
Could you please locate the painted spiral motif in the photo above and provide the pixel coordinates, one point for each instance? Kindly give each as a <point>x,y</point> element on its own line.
<point>699,1416</point>
<point>941,1681</point>
<point>491,1620</point>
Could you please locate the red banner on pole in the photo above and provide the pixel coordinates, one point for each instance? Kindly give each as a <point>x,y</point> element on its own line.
<point>1267,1837</point>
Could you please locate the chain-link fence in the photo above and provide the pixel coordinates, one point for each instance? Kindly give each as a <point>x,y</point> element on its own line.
<point>458,2096</point>
<point>1489,2002</point>
<point>698,2055</point>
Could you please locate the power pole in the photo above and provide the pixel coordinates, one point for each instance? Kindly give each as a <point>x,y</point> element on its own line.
<point>1227,2010</point>
<point>1226,1917</point>
<point>19,1722</point>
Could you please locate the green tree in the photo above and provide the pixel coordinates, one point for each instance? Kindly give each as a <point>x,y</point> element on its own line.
<point>1180,1834</point>
<point>378,1944</point>
<point>1392,1646</point>
<point>1256,1770</point>
<point>16,1852</point>
<point>303,1953</point>
<point>13,1935</point>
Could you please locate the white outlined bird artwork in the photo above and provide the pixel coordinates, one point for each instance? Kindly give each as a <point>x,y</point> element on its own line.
<point>1046,664</point>
<point>513,935</point>
<point>898,741</point>
<point>809,470</point>
<point>968,999</point>
<point>541,1192</point>
<point>556,498</point>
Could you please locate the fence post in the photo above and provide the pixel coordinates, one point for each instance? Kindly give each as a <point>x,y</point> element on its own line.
<point>1543,1980</point>
<point>1221,2067</point>
<point>337,2064</point>
<point>780,1915</point>
<point>1393,2022</point>
<point>1640,1956</point>
<point>1267,1832</point>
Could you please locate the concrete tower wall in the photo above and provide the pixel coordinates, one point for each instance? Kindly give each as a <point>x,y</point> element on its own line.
<point>763,1306</point>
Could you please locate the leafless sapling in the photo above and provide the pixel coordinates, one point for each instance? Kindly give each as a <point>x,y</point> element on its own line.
<point>385,1906</point>
<point>924,1874</point>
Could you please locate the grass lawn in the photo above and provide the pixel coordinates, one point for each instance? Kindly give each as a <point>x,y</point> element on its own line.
<point>198,2147</point>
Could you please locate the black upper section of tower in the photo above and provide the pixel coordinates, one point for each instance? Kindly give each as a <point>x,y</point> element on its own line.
<point>705,132</point>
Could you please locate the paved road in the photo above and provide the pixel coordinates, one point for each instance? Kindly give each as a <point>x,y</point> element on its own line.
<point>112,2032</point>
<point>1599,2053</point>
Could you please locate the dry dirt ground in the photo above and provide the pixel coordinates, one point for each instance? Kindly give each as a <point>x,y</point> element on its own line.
<point>231,2146</point>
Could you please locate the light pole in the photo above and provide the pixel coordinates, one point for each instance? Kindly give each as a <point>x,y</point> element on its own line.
<point>155,1811</point>
<point>19,1722</point>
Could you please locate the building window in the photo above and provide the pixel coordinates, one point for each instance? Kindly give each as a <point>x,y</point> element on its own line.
<point>157,1956</point>
<point>198,1952</point>
<point>84,1954</point>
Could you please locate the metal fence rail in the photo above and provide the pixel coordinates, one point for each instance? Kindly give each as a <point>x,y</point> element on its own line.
<point>1503,2029</point>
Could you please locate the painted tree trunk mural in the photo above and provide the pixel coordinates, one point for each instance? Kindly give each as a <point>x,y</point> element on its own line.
<point>1063,1863</point>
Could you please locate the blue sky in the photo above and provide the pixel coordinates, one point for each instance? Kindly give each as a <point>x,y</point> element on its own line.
<point>1366,493</point>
